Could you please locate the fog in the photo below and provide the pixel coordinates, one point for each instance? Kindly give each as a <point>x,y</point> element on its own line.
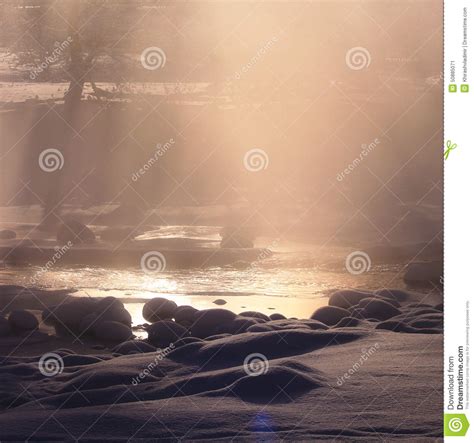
<point>337,140</point>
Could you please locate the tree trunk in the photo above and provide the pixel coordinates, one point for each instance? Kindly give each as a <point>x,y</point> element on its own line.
<point>72,99</point>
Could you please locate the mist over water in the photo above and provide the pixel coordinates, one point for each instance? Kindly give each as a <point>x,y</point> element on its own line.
<point>274,118</point>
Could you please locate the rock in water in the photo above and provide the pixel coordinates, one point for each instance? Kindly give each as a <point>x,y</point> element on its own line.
<point>379,309</point>
<point>208,321</point>
<point>87,324</point>
<point>81,315</point>
<point>75,232</point>
<point>237,326</point>
<point>22,320</point>
<point>219,302</point>
<point>347,298</point>
<point>363,303</point>
<point>164,332</point>
<point>184,315</point>
<point>159,309</point>
<point>330,315</point>
<point>112,331</point>
<point>395,294</point>
<point>7,234</point>
<point>277,316</point>
<point>109,302</point>
<point>67,317</point>
<point>254,314</point>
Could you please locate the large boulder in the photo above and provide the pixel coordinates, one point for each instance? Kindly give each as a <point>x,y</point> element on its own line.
<point>7,234</point>
<point>238,325</point>
<point>379,309</point>
<point>111,308</point>
<point>80,315</point>
<point>394,294</point>
<point>112,331</point>
<point>21,321</point>
<point>330,315</point>
<point>159,308</point>
<point>75,232</point>
<point>208,321</point>
<point>67,317</point>
<point>108,303</point>
<point>88,323</point>
<point>363,303</point>
<point>347,298</point>
<point>4,327</point>
<point>184,315</point>
<point>254,314</point>
<point>164,332</point>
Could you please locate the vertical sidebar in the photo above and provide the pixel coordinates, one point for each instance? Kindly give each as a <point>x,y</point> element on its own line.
<point>458,211</point>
